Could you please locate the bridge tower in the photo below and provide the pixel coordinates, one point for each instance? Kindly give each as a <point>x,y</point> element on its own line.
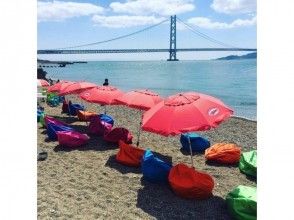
<point>173,39</point>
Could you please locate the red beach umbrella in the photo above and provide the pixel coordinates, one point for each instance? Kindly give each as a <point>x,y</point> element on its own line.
<point>139,99</point>
<point>59,86</point>
<point>185,112</point>
<point>104,95</point>
<point>42,83</point>
<point>76,88</point>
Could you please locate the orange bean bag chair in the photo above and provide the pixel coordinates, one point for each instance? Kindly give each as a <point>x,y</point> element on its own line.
<point>223,153</point>
<point>129,155</point>
<point>85,115</point>
<point>189,183</point>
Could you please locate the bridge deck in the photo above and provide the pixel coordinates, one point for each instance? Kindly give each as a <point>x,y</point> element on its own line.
<point>139,50</point>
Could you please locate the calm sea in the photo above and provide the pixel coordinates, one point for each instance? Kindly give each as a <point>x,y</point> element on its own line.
<point>234,82</point>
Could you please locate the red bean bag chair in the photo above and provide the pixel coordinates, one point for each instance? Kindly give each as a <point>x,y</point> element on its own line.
<point>189,183</point>
<point>85,115</point>
<point>129,155</point>
<point>49,119</point>
<point>223,153</point>
<point>119,134</point>
<point>71,138</point>
<point>65,107</point>
<point>98,127</point>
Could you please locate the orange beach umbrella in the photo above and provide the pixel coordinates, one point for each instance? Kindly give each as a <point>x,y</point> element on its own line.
<point>185,112</point>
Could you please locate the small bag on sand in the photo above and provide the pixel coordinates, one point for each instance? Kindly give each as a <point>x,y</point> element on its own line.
<point>72,138</point>
<point>189,183</point>
<point>248,162</point>
<point>98,127</point>
<point>223,153</point>
<point>85,115</point>
<point>242,203</point>
<point>129,155</point>
<point>119,134</point>
<point>154,169</point>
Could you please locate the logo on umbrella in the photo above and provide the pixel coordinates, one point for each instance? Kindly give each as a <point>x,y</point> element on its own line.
<point>213,111</point>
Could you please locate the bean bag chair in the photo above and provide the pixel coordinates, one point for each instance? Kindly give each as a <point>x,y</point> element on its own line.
<point>52,129</point>
<point>98,127</point>
<point>39,114</point>
<point>42,120</point>
<point>61,99</point>
<point>52,99</point>
<point>119,134</point>
<point>189,183</point>
<point>48,119</point>
<point>223,153</point>
<point>71,138</point>
<point>85,115</point>
<point>65,107</point>
<point>106,118</point>
<point>242,203</point>
<point>129,155</point>
<point>248,164</point>
<point>73,108</point>
<point>154,169</point>
<point>198,143</point>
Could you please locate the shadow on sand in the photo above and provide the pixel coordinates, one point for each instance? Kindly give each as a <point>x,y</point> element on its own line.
<point>216,164</point>
<point>160,202</point>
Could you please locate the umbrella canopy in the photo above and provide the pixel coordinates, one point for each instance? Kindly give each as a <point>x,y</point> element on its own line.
<point>185,112</point>
<point>139,99</point>
<point>59,86</point>
<point>42,83</point>
<point>104,95</point>
<point>76,88</point>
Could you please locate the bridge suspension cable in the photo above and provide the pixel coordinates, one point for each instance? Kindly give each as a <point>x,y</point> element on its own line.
<point>205,36</point>
<point>116,38</point>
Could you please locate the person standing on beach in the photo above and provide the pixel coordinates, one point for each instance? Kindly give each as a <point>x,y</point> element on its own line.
<point>105,82</point>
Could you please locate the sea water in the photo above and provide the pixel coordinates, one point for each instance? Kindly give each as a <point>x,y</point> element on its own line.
<point>232,81</point>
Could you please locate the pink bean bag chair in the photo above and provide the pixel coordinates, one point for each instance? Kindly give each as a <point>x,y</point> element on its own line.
<point>118,134</point>
<point>49,119</point>
<point>72,138</point>
<point>98,127</point>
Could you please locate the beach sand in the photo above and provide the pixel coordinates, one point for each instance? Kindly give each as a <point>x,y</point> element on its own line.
<point>87,183</point>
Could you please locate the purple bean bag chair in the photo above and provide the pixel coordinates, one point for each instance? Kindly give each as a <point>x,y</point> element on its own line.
<point>72,138</point>
<point>98,127</point>
<point>119,134</point>
<point>49,119</point>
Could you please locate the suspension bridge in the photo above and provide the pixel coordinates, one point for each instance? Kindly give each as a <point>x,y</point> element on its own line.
<point>172,50</point>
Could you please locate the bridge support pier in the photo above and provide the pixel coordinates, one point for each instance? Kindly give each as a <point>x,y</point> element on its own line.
<point>173,39</point>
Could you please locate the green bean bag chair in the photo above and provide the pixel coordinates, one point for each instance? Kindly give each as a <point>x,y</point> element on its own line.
<point>242,203</point>
<point>248,164</point>
<point>42,120</point>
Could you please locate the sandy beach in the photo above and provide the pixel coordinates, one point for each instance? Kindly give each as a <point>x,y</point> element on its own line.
<point>87,183</point>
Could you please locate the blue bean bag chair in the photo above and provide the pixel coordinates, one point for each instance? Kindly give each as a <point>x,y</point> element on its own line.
<point>106,118</point>
<point>73,108</point>
<point>53,128</point>
<point>154,169</point>
<point>198,143</point>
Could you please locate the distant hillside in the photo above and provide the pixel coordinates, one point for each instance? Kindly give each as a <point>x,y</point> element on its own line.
<point>233,57</point>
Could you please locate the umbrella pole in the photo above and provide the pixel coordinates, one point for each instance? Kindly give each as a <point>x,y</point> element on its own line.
<point>139,130</point>
<point>191,152</point>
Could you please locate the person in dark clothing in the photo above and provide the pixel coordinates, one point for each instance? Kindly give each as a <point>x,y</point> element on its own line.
<point>105,82</point>
<point>58,81</point>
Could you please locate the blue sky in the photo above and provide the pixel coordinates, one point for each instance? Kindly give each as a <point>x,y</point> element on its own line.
<point>70,23</point>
